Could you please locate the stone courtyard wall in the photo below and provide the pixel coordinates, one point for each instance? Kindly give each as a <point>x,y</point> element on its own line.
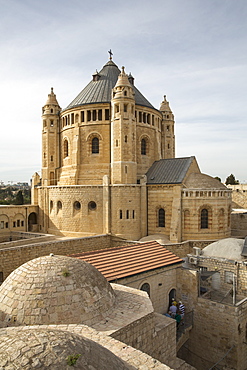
<point>13,257</point>
<point>154,334</point>
<point>218,332</point>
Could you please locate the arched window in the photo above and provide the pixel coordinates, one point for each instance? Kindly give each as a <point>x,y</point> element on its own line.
<point>59,205</point>
<point>65,148</point>
<point>146,288</point>
<point>161,217</point>
<point>204,218</point>
<point>143,147</point>
<point>95,145</point>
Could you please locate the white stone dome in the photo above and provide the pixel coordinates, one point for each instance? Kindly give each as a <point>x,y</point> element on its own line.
<point>33,347</point>
<point>230,248</point>
<point>54,290</point>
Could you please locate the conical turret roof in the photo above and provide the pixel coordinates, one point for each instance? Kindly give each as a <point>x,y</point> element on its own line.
<point>100,88</point>
<point>51,100</point>
<point>165,107</point>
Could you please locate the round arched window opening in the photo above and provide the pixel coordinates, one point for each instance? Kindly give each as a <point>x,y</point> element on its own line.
<point>146,288</point>
<point>77,206</point>
<point>92,205</point>
<point>51,205</point>
<point>59,205</point>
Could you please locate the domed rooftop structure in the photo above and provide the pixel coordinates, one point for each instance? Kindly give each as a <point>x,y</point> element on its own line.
<point>53,290</point>
<point>229,248</point>
<point>41,348</point>
<point>99,89</point>
<point>202,181</point>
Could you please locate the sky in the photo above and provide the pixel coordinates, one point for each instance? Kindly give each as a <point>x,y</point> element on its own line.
<point>192,51</point>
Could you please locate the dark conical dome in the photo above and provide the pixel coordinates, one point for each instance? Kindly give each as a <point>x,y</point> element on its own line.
<point>100,88</point>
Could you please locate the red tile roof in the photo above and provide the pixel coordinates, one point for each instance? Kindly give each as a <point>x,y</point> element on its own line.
<point>120,262</point>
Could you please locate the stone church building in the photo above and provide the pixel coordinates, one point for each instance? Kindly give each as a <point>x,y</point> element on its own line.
<point>109,167</point>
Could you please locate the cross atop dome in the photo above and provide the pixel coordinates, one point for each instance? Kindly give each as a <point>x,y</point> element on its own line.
<point>110,53</point>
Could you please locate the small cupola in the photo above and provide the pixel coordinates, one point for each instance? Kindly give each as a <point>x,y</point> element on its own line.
<point>131,79</point>
<point>96,76</point>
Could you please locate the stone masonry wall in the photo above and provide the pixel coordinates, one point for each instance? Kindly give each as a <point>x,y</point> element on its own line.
<point>217,329</point>
<point>161,282</point>
<point>126,211</point>
<point>76,215</point>
<point>15,218</point>
<point>219,205</point>
<point>239,224</point>
<point>187,288</point>
<point>144,335</point>
<point>223,267</point>
<point>160,197</point>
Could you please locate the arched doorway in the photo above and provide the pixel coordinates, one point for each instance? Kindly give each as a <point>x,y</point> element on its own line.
<point>172,294</point>
<point>32,220</point>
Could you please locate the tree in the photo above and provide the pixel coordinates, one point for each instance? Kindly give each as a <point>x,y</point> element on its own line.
<point>19,198</point>
<point>230,180</point>
<point>218,178</point>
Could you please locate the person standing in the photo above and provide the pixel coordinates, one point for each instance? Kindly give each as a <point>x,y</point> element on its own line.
<point>173,310</point>
<point>181,308</point>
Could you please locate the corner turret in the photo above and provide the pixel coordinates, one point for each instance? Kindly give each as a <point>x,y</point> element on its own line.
<point>168,137</point>
<point>50,148</point>
<point>123,142</point>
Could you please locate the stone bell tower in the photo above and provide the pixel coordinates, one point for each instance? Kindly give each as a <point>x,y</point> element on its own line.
<point>123,132</point>
<point>50,142</point>
<point>168,137</point>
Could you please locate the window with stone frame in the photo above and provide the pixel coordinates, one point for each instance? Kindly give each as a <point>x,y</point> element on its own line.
<point>204,218</point>
<point>65,148</point>
<point>95,145</point>
<point>143,147</point>
<point>161,217</point>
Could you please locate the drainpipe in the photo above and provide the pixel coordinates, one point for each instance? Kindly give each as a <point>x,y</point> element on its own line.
<point>234,289</point>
